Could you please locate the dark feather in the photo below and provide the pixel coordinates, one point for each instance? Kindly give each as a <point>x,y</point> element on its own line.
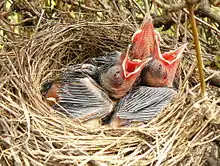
<point>108,59</point>
<point>80,96</point>
<point>143,103</point>
<point>80,71</point>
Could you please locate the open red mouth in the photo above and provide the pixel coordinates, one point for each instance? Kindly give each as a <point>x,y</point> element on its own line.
<point>173,56</point>
<point>144,32</point>
<point>132,66</point>
<point>143,40</point>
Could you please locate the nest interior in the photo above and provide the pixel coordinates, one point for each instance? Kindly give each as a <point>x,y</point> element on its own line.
<point>32,133</point>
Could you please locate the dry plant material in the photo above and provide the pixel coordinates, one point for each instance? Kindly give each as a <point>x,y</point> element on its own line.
<point>31,133</point>
<point>198,49</point>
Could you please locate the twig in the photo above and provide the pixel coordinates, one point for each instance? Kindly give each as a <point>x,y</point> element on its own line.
<point>88,8</point>
<point>116,7</point>
<point>104,5</point>
<point>198,49</point>
<point>132,11</point>
<point>17,24</point>
<point>178,27</point>
<point>6,30</point>
<point>185,29</point>
<point>38,23</point>
<point>142,11</point>
<point>146,6</point>
<point>206,10</point>
<point>173,7</point>
<point>203,22</point>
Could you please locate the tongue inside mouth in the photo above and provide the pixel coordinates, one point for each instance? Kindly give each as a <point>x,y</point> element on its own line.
<point>131,65</point>
<point>169,57</point>
<point>173,56</point>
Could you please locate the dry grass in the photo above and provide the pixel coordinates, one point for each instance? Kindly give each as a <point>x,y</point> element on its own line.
<point>32,133</point>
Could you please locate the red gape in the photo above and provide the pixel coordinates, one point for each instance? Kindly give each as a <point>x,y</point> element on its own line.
<point>144,40</point>
<point>119,79</point>
<point>162,69</point>
<point>142,103</point>
<point>79,96</point>
<point>159,72</point>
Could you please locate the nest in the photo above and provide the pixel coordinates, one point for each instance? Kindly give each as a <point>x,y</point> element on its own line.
<point>32,133</point>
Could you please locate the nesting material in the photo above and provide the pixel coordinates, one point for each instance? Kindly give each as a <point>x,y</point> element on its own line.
<point>34,133</point>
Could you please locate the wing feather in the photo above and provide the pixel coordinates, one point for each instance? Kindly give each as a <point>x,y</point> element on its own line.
<point>143,103</point>
<point>81,97</point>
<point>109,58</point>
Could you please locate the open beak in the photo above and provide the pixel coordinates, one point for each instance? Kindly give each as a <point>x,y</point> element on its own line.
<point>145,29</point>
<point>144,40</point>
<point>133,66</point>
<point>173,56</point>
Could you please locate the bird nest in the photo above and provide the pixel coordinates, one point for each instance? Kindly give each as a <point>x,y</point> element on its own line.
<point>32,133</point>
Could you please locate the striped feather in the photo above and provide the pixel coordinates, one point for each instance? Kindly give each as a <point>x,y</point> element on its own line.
<point>143,103</point>
<point>81,97</point>
<point>109,58</point>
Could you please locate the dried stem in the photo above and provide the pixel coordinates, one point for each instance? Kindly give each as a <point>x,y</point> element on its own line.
<point>198,50</point>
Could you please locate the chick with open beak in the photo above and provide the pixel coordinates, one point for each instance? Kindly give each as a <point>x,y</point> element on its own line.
<point>161,71</point>
<point>143,102</point>
<point>118,79</point>
<point>144,40</point>
<point>143,46</point>
<point>78,94</point>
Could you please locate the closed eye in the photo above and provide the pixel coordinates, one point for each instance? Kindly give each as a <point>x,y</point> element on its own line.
<point>117,74</point>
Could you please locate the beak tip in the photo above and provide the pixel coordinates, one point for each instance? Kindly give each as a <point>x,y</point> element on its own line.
<point>183,47</point>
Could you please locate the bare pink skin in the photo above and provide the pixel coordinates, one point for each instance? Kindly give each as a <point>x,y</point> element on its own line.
<point>119,79</point>
<point>155,74</point>
<point>162,69</point>
<point>144,40</point>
